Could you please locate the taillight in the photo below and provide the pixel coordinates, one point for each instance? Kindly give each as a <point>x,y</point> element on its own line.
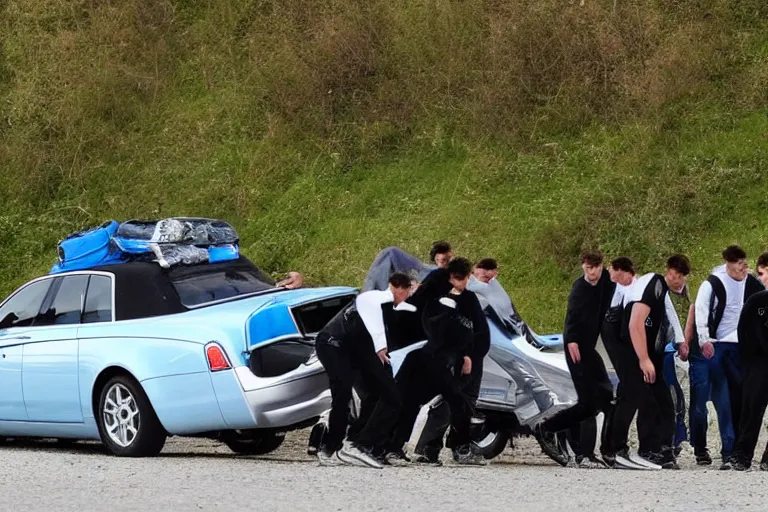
<point>217,360</point>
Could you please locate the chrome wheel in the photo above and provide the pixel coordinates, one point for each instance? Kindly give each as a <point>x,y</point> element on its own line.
<point>121,415</point>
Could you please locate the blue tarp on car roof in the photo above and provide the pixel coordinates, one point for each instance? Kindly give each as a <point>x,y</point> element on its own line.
<point>169,242</point>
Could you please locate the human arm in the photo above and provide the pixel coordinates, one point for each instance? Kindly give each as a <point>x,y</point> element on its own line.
<point>292,281</point>
<point>369,308</point>
<point>703,300</point>
<point>688,333</point>
<point>482,333</point>
<point>674,320</point>
<point>637,334</point>
<point>573,330</point>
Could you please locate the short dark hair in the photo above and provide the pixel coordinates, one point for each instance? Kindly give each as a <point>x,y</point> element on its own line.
<point>487,264</point>
<point>679,262</point>
<point>439,247</point>
<point>762,261</point>
<point>459,268</point>
<point>400,280</point>
<point>623,263</point>
<point>591,258</point>
<point>734,253</point>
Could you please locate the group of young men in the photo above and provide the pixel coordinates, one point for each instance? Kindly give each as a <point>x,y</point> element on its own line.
<point>354,348</point>
<point>725,339</point>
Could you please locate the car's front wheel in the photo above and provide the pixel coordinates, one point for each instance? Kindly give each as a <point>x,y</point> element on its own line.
<point>127,423</point>
<point>253,442</point>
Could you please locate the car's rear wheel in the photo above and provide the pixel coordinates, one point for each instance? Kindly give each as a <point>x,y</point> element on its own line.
<point>253,442</point>
<point>127,423</point>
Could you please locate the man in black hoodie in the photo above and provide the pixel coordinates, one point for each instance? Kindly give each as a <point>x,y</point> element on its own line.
<point>457,340</point>
<point>588,303</point>
<point>753,350</point>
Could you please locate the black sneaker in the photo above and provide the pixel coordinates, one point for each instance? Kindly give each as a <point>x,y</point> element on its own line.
<point>740,466</point>
<point>398,458</point>
<point>764,461</point>
<point>465,455</point>
<point>591,462</point>
<point>423,459</point>
<point>609,459</point>
<point>727,465</point>
<point>549,445</point>
<point>678,450</point>
<point>653,458</point>
<point>703,458</point>
<point>668,459</point>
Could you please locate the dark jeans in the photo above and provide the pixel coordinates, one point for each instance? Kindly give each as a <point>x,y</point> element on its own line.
<point>755,400</point>
<point>595,394</point>
<point>344,361</point>
<point>636,396</point>
<point>419,380</point>
<point>709,381</point>
<point>439,418</point>
<point>678,398</point>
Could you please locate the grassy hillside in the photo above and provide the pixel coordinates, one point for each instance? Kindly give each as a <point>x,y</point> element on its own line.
<point>325,131</point>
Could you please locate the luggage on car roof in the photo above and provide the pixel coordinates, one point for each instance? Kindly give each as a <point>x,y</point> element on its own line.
<point>169,242</point>
<point>88,249</point>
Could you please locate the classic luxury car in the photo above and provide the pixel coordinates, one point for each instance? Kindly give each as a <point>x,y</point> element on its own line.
<point>131,352</point>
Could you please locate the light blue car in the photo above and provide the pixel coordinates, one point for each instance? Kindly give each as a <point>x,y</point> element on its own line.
<point>132,353</point>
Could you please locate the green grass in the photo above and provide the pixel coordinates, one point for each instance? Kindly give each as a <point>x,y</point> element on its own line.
<point>522,130</point>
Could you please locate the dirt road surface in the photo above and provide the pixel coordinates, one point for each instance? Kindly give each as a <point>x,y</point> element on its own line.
<point>198,474</point>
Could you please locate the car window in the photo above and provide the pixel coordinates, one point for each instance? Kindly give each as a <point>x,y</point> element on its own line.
<point>24,306</point>
<point>98,300</point>
<point>67,304</point>
<point>196,289</point>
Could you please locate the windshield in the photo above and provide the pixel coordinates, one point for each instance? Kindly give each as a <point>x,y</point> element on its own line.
<point>195,289</point>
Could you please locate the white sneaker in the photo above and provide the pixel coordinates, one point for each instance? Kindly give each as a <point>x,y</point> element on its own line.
<point>351,454</point>
<point>329,460</point>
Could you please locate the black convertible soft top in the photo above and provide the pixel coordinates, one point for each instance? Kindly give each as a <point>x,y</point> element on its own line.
<point>145,289</point>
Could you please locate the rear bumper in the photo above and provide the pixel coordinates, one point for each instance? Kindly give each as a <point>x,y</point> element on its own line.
<point>286,400</point>
<point>248,401</point>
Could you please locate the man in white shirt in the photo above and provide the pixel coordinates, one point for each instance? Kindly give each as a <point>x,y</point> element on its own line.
<point>355,340</point>
<point>640,366</point>
<point>715,373</point>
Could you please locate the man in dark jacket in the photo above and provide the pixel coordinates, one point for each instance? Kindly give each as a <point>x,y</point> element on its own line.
<point>457,340</point>
<point>753,349</point>
<point>588,303</point>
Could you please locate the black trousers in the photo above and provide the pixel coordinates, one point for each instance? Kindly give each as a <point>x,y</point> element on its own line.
<point>345,361</point>
<point>635,396</point>
<point>754,402</point>
<point>439,418</point>
<point>595,394</point>
<point>419,380</point>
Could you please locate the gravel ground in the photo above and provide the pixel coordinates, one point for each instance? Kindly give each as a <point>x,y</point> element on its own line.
<point>198,474</point>
<point>195,474</point>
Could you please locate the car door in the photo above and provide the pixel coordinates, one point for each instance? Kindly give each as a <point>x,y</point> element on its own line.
<point>16,317</point>
<point>50,357</point>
